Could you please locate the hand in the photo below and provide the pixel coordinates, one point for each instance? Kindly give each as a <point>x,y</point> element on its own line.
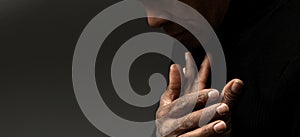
<point>177,116</point>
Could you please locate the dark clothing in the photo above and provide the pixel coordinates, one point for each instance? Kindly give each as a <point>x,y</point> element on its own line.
<point>261,41</point>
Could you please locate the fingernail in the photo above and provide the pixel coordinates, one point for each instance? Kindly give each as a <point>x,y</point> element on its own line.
<point>220,127</point>
<point>187,54</point>
<point>237,86</point>
<point>184,70</point>
<point>213,94</point>
<point>222,109</point>
<point>174,66</point>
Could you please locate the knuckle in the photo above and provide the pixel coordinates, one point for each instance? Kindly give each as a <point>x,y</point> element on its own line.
<point>181,128</point>
<point>172,93</point>
<point>207,131</point>
<point>160,113</point>
<point>229,99</point>
<point>175,86</point>
<point>202,98</point>
<point>228,94</point>
<point>186,125</point>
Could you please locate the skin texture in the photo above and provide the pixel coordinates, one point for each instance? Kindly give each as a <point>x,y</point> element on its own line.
<point>172,113</point>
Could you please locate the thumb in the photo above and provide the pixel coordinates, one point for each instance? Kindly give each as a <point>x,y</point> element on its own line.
<point>231,92</point>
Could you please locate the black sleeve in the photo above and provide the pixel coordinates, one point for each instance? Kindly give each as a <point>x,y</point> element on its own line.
<point>291,111</point>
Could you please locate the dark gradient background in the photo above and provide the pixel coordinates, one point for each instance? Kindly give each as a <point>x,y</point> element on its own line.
<point>37,39</point>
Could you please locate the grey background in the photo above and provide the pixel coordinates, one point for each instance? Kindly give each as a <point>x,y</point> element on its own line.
<point>37,39</point>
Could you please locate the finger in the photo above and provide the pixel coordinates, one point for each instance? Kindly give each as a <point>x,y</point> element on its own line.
<point>202,77</point>
<point>173,90</point>
<point>204,116</point>
<point>190,72</point>
<point>204,73</point>
<point>190,67</point>
<point>201,117</point>
<point>231,92</point>
<point>186,104</point>
<point>211,130</point>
